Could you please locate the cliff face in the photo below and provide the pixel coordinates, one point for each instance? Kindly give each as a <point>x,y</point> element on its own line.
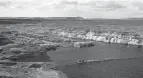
<point>114,37</point>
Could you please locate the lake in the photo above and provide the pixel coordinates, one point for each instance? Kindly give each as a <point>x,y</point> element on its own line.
<point>66,59</point>
<point>101,51</point>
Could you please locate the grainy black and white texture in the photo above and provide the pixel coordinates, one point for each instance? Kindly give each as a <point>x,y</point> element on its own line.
<point>71,39</point>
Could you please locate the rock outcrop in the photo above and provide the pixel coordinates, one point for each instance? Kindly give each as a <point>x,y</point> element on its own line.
<point>50,74</point>
<point>83,44</point>
<point>108,37</point>
<point>4,40</point>
<point>134,42</point>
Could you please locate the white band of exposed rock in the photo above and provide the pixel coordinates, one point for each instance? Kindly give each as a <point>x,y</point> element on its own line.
<point>104,37</point>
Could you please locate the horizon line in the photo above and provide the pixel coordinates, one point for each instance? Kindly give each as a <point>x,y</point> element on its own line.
<point>74,17</point>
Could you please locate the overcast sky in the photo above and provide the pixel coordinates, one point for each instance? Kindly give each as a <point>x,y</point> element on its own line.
<point>62,8</point>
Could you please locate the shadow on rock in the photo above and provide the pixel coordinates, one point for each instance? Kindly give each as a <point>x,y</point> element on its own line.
<point>4,40</point>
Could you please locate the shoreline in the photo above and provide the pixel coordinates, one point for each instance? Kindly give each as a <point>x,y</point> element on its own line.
<point>102,36</point>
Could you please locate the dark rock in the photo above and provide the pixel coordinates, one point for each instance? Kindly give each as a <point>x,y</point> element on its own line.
<point>48,47</point>
<point>4,40</point>
<point>35,66</point>
<point>139,46</point>
<point>1,49</point>
<point>8,63</point>
<point>6,77</point>
<point>16,50</point>
<point>4,74</point>
<point>6,32</point>
<point>83,44</point>
<point>29,57</point>
<point>5,57</point>
<point>10,33</point>
<point>11,45</point>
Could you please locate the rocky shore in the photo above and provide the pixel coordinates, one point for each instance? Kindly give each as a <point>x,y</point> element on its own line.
<point>26,57</point>
<point>103,36</point>
<point>83,44</point>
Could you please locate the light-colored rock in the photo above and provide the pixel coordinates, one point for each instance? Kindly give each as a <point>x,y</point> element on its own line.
<point>126,37</point>
<point>106,34</point>
<point>107,39</point>
<point>112,37</point>
<point>134,42</point>
<point>10,46</point>
<point>113,40</point>
<point>16,50</point>
<point>83,44</point>
<point>114,34</point>
<point>122,41</point>
<point>50,74</point>
<point>48,47</point>
<point>90,35</point>
<point>81,36</point>
<point>70,35</point>
<point>94,37</point>
<point>101,38</point>
<point>49,43</point>
<point>86,61</point>
<point>5,75</point>
<point>119,36</point>
<point>62,33</point>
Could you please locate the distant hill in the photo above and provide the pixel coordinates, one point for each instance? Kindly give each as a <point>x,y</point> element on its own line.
<point>63,18</point>
<point>17,20</point>
<point>43,18</point>
<point>66,18</point>
<point>14,20</point>
<point>136,18</point>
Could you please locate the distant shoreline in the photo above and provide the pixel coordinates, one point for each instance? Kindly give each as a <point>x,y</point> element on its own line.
<point>68,18</point>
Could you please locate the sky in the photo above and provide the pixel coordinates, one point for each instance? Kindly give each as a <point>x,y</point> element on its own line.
<point>72,8</point>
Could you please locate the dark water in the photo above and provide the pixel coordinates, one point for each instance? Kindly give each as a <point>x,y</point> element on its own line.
<point>128,68</point>
<point>101,51</point>
<point>125,68</point>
